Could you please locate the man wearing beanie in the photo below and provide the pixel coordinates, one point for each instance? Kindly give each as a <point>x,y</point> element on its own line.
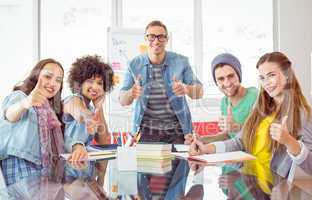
<point>238,100</point>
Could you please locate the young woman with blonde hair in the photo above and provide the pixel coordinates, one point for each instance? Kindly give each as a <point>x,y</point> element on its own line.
<point>279,129</point>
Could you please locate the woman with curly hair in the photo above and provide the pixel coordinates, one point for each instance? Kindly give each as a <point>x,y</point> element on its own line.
<point>30,130</point>
<point>89,80</point>
<point>279,129</point>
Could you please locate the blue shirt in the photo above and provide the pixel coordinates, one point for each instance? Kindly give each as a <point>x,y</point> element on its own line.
<point>175,65</point>
<point>21,138</point>
<point>15,169</point>
<point>75,132</point>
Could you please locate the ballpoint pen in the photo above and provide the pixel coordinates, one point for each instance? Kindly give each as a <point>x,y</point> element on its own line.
<point>134,140</point>
<point>195,138</point>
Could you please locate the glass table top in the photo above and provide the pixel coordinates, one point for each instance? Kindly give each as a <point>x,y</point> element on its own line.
<point>177,179</point>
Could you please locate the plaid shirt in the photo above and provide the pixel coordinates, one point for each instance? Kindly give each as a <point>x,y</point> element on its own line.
<point>15,169</point>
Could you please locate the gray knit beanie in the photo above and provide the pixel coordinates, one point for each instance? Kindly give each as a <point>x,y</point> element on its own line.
<point>229,59</point>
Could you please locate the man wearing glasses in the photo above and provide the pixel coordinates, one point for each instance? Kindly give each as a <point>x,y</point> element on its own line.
<point>158,83</point>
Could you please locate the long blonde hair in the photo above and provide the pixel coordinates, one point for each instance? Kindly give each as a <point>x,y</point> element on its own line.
<point>293,104</point>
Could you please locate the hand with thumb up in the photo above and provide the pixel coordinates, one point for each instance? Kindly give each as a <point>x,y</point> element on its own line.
<point>36,96</point>
<point>178,87</point>
<point>136,89</point>
<point>93,122</point>
<point>227,123</point>
<point>279,131</point>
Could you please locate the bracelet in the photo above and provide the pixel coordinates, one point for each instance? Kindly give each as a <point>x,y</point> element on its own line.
<point>82,144</point>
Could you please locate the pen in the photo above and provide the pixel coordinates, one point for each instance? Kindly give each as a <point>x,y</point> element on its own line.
<point>195,138</point>
<point>135,139</point>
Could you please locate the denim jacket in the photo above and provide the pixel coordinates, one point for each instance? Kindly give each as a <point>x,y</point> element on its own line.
<point>75,132</point>
<point>21,138</point>
<point>175,65</point>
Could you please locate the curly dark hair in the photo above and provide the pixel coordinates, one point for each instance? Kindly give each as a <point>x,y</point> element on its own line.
<point>87,67</point>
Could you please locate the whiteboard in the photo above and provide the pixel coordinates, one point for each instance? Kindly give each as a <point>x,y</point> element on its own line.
<point>123,45</point>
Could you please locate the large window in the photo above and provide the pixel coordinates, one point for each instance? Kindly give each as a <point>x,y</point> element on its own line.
<point>241,27</point>
<point>177,15</point>
<point>71,29</point>
<point>17,47</point>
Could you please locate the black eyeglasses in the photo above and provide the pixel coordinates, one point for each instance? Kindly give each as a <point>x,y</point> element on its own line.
<point>152,37</point>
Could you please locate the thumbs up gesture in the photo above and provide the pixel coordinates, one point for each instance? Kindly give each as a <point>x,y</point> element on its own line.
<point>279,132</point>
<point>136,90</point>
<point>178,87</point>
<point>36,97</point>
<point>93,122</point>
<point>227,123</point>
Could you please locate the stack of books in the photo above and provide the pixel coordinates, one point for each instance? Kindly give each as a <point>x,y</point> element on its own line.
<point>154,158</point>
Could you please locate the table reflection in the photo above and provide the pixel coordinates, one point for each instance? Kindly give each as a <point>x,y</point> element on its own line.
<point>186,180</point>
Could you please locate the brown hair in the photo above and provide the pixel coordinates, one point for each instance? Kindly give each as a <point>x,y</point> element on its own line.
<point>156,23</point>
<point>31,80</point>
<point>293,104</point>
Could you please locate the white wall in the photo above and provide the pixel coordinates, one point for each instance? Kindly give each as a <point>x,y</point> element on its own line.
<point>293,22</point>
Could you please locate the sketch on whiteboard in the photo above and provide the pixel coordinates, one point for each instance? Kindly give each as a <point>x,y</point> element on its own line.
<point>119,49</point>
<point>122,47</point>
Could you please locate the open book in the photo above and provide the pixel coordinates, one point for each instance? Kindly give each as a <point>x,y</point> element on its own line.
<point>106,154</point>
<point>235,156</point>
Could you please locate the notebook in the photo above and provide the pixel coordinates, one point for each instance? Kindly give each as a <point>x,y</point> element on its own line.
<point>234,156</point>
<point>109,147</point>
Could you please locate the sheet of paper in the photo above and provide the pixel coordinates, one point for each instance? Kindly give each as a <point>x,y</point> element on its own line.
<point>219,157</point>
<point>181,154</point>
